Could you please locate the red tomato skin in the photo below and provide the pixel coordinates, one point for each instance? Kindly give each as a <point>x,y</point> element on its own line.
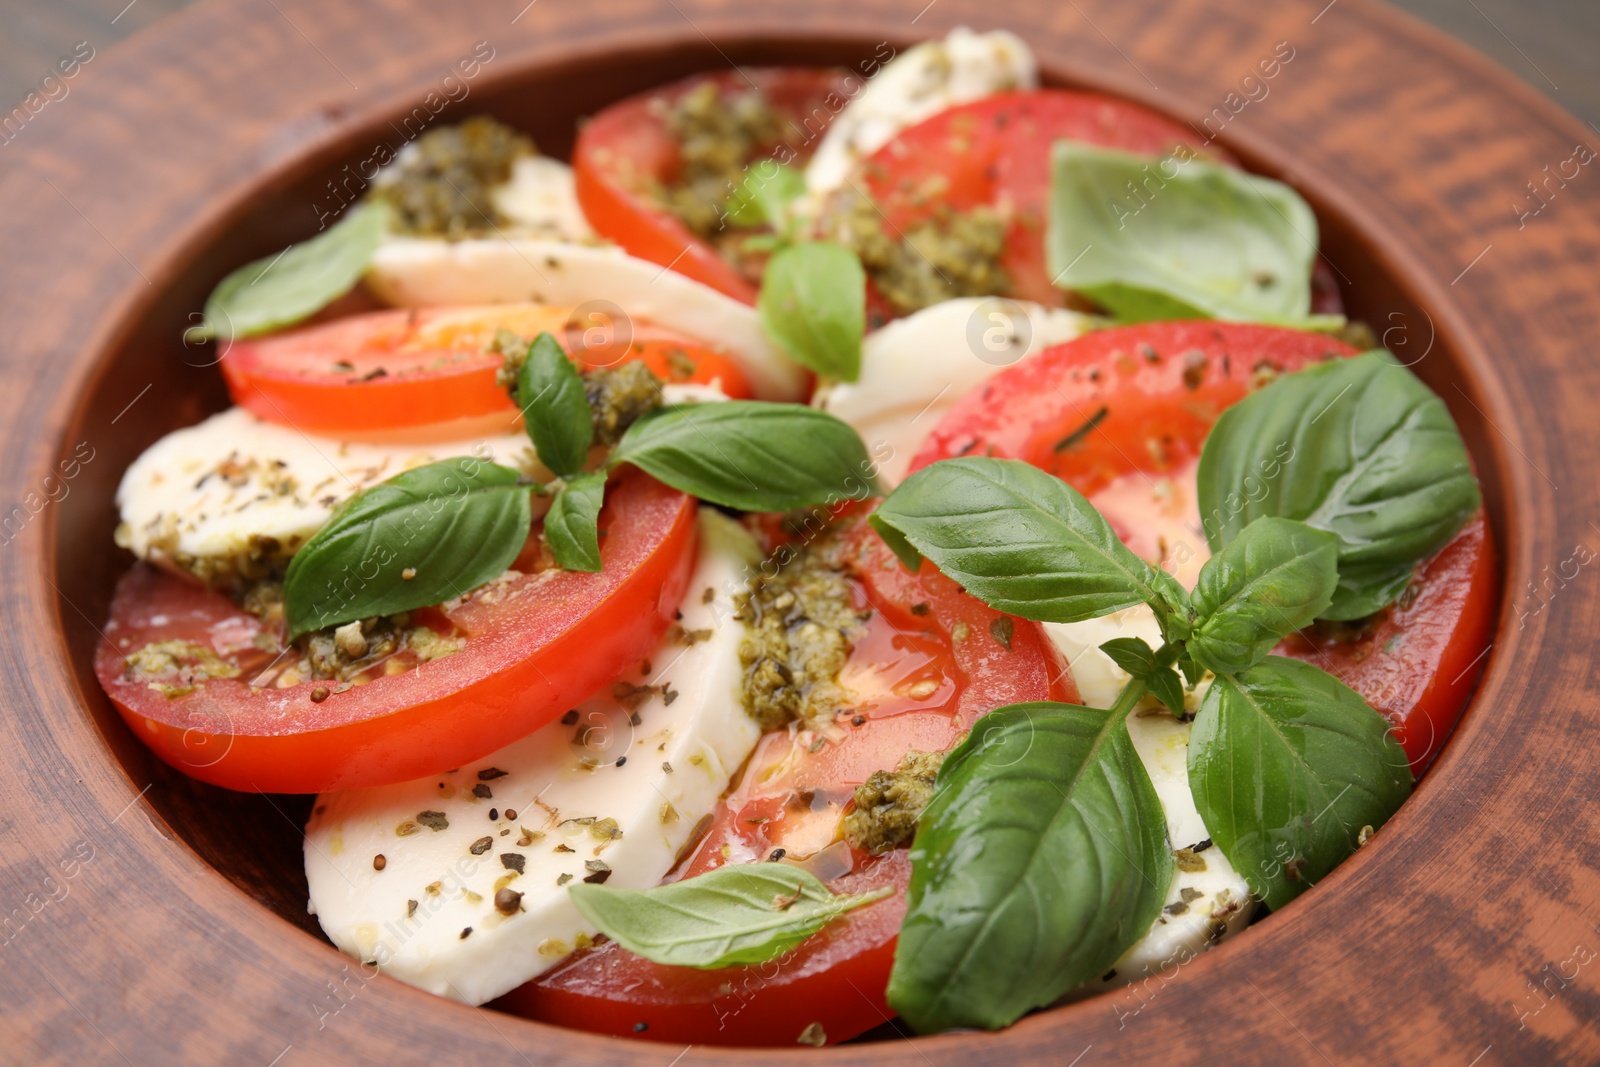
<point>632,132</point>
<point>996,152</point>
<point>838,977</point>
<point>1161,386</point>
<point>1421,659</point>
<point>518,671</point>
<point>402,370</point>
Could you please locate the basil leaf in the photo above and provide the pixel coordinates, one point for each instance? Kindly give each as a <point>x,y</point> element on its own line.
<point>737,913</point>
<point>765,194</point>
<point>1274,578</point>
<point>1022,541</point>
<point>1357,447</point>
<point>572,523</point>
<point>1042,857</point>
<point>280,290</point>
<point>1287,764</point>
<point>555,409</point>
<point>813,304</point>
<point>1136,657</point>
<point>454,525</point>
<point>1177,238</point>
<point>750,455</point>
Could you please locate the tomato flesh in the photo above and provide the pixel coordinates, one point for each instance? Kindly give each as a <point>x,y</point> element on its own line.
<point>393,370</point>
<point>1143,398</point>
<point>927,666</point>
<point>534,645</point>
<point>625,152</point>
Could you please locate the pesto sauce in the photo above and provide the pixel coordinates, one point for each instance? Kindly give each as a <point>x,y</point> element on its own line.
<point>953,254</point>
<point>889,803</point>
<point>441,188</point>
<point>717,136</point>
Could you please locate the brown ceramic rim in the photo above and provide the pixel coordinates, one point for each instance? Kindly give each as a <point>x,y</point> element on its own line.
<point>137,930</point>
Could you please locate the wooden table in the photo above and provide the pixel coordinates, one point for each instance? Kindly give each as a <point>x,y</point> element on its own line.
<point>1551,44</point>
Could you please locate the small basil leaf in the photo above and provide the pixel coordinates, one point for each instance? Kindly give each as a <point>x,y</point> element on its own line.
<point>1192,671</point>
<point>1177,238</point>
<point>280,290</point>
<point>1358,447</point>
<point>453,525</point>
<point>1024,542</point>
<point>1274,578</point>
<point>751,455</point>
<point>813,306</point>
<point>1132,654</point>
<point>572,524</point>
<point>1042,857</point>
<point>554,407</point>
<point>1166,687</point>
<point>739,913</point>
<point>1287,764</point>
<point>765,194</point>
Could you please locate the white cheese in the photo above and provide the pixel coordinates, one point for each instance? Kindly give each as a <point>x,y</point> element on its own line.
<point>919,83</point>
<point>564,782</point>
<point>540,200</point>
<point>209,490</point>
<point>601,283</point>
<point>1205,904</point>
<point>915,369</point>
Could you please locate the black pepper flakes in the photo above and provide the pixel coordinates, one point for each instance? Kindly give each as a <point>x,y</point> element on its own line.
<point>514,861</point>
<point>640,1028</point>
<point>466,932</point>
<point>920,608</point>
<point>776,854</point>
<point>570,717</point>
<point>411,908</point>
<point>507,901</point>
<point>378,862</point>
<point>481,845</point>
<point>434,820</point>
<point>494,814</point>
<point>858,719</point>
<point>511,814</point>
<point>482,792</point>
<point>621,760</point>
<point>319,694</point>
<point>668,694</point>
<point>597,878</point>
<point>667,767</point>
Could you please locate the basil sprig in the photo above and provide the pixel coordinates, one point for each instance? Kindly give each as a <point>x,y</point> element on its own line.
<point>281,290</point>
<point>555,410</point>
<point>1041,859</point>
<point>740,913</point>
<point>1358,447</point>
<point>813,306</point>
<point>1178,238</point>
<point>572,525</point>
<point>1321,493</point>
<point>420,538</point>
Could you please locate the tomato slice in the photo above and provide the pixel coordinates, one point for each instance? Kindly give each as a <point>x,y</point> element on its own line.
<point>625,153</point>
<point>532,646</point>
<point>388,370</point>
<point>1143,398</point>
<point>929,664</point>
<point>996,152</point>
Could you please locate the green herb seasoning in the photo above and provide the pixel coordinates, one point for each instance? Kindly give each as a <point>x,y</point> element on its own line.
<point>618,397</point>
<point>889,803</point>
<point>717,136</point>
<point>441,187</point>
<point>956,253</point>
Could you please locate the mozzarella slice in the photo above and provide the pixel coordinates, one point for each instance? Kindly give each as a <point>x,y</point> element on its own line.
<point>213,491</point>
<point>919,83</point>
<point>915,369</point>
<point>592,279</point>
<point>596,798</point>
<point>1208,899</point>
<point>541,199</point>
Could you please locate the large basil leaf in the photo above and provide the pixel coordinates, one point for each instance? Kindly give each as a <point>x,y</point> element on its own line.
<point>280,290</point>
<point>1022,541</point>
<point>1042,857</point>
<point>1287,764</point>
<point>420,538</point>
<point>750,455</point>
<point>1357,447</point>
<point>554,407</point>
<point>734,914</point>
<point>813,305</point>
<point>571,526</point>
<point>1275,577</point>
<point>1178,238</point>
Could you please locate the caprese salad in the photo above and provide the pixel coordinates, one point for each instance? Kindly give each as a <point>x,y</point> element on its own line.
<point>895,540</point>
